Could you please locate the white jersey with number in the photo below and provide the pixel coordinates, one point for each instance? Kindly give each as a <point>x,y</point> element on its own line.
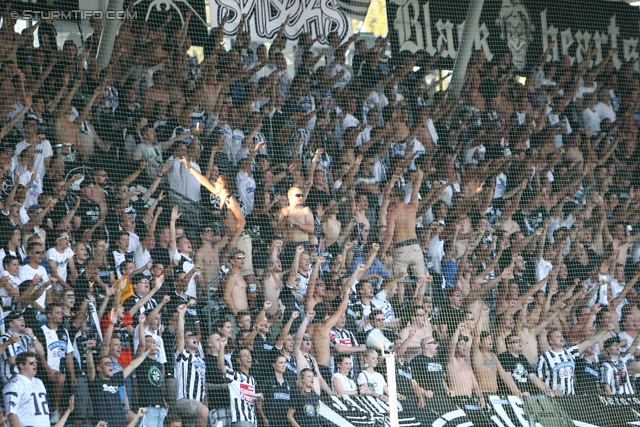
<point>28,400</point>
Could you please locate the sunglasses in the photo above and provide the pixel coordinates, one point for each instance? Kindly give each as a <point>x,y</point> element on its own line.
<point>32,362</point>
<point>299,195</point>
<point>306,338</point>
<point>320,284</point>
<point>190,336</point>
<point>69,296</point>
<point>109,364</point>
<point>64,238</point>
<point>432,342</point>
<point>38,252</point>
<point>515,341</point>
<point>240,257</point>
<point>420,314</point>
<point>457,294</point>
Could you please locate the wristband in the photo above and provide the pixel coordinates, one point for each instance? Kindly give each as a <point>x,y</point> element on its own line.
<point>145,354</point>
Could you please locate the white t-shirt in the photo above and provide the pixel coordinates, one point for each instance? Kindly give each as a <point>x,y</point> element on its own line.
<point>616,289</point>
<point>61,260</point>
<point>381,302</point>
<point>246,190</point>
<point>591,120</point>
<point>7,301</point>
<point>190,185</point>
<point>134,242</point>
<point>161,356</point>
<point>375,381</point>
<point>187,266</point>
<point>35,188</point>
<point>42,151</point>
<point>27,273</point>
<point>347,384</point>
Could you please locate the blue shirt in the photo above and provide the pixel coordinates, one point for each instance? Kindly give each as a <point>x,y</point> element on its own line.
<point>376,268</point>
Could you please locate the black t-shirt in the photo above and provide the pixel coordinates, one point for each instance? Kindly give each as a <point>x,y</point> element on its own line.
<point>89,212</point>
<point>307,407</point>
<point>149,377</point>
<point>429,373</point>
<point>219,396</point>
<point>587,376</point>
<point>277,397</point>
<point>518,367</point>
<point>105,395</point>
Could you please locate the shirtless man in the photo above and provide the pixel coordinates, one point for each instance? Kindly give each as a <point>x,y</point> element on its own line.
<point>89,138</point>
<point>460,378</point>
<point>295,224</point>
<point>486,365</point>
<point>232,217</point>
<point>529,333</point>
<point>208,255</point>
<point>319,332</point>
<point>401,231</point>
<point>422,329</point>
<point>271,280</point>
<point>235,288</point>
<point>362,204</point>
<point>157,92</point>
<point>101,182</point>
<point>66,131</point>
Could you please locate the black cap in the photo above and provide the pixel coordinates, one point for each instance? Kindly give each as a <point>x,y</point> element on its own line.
<point>15,314</point>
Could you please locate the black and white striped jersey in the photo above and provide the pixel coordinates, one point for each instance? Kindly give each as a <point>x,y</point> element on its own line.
<point>242,394</point>
<point>190,371</point>
<point>24,344</point>
<point>615,373</point>
<point>557,369</point>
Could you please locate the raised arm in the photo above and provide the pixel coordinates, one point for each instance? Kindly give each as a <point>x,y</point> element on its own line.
<point>285,329</point>
<point>147,297</point>
<point>346,290</point>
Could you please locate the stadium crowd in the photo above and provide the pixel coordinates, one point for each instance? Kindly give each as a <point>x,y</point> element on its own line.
<point>492,237</point>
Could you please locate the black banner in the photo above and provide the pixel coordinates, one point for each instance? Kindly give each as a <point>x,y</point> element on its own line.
<point>522,28</point>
